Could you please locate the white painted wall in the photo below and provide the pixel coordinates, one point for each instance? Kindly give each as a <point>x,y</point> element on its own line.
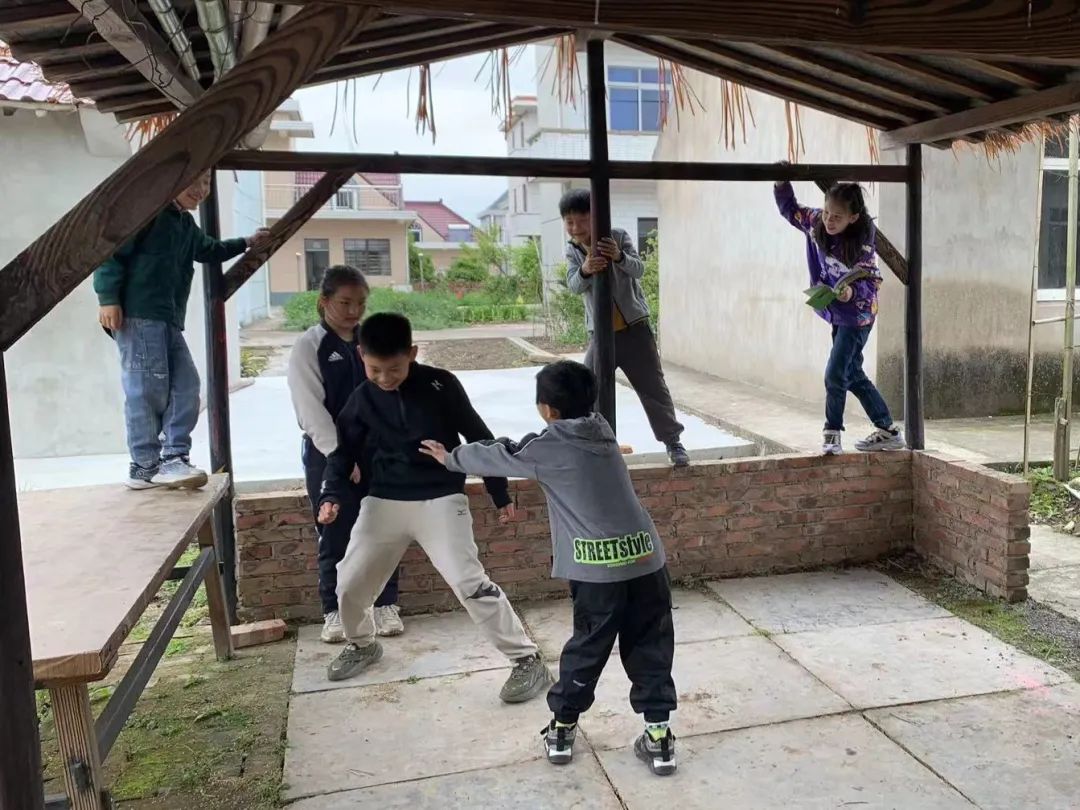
<point>243,217</point>
<point>732,271</point>
<point>63,376</point>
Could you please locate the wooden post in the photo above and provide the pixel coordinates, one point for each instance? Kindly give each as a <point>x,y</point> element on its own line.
<point>600,182</point>
<point>913,348</point>
<point>79,753</point>
<point>20,749</point>
<point>215,598</point>
<point>217,396</point>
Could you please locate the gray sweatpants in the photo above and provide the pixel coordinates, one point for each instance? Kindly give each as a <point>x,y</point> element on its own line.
<point>443,528</point>
<point>639,358</point>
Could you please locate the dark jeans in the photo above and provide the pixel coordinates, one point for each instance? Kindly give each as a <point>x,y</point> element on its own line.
<point>334,539</point>
<point>844,372</point>
<point>638,613</point>
<point>636,354</point>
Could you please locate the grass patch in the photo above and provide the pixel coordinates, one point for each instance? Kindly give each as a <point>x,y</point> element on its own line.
<point>1051,503</point>
<point>253,361</point>
<point>1028,626</point>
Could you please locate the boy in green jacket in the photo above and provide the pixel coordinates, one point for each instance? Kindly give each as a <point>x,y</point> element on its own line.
<point>143,292</point>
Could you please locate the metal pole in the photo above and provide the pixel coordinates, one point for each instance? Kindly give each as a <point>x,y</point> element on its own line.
<point>1063,409</point>
<point>913,349</point>
<point>217,397</point>
<point>600,182</point>
<point>20,749</point>
<point>1032,320</point>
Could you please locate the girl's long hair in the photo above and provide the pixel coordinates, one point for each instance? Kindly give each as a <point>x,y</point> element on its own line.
<point>857,233</point>
<point>336,277</point>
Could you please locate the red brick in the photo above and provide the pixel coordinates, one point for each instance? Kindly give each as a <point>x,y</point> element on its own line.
<point>251,521</point>
<point>264,632</point>
<point>251,553</point>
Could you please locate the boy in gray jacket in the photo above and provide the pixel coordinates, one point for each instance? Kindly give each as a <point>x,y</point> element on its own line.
<point>606,545</point>
<point>635,345</point>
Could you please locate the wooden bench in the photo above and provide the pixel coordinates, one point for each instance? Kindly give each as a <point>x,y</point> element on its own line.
<point>94,558</point>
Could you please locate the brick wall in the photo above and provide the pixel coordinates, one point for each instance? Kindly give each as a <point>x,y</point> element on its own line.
<point>727,518</point>
<point>972,522</point>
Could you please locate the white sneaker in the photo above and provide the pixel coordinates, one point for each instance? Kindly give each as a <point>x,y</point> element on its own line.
<point>881,440</point>
<point>388,621</point>
<point>332,630</point>
<point>178,473</point>
<point>830,443</point>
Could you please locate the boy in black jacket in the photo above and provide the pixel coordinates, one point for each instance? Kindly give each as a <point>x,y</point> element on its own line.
<point>413,497</point>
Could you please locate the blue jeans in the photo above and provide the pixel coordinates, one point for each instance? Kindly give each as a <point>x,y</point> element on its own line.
<point>161,390</point>
<point>844,372</point>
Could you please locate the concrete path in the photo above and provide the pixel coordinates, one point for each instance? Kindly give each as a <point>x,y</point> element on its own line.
<point>1055,570</point>
<point>781,422</point>
<point>266,439</point>
<point>820,690</point>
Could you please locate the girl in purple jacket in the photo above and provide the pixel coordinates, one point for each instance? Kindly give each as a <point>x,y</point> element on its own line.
<point>840,238</point>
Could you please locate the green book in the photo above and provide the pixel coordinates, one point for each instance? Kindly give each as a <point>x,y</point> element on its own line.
<point>821,295</point>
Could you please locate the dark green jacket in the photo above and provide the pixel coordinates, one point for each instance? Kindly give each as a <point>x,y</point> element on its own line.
<point>150,276</point>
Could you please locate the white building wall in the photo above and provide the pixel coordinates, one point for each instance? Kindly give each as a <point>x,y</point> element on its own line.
<point>732,271</point>
<point>242,218</point>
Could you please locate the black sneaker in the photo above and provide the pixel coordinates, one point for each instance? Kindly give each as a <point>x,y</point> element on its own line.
<point>140,477</point>
<point>529,678</point>
<point>559,742</point>
<point>353,660</point>
<point>678,455</point>
<point>660,755</point>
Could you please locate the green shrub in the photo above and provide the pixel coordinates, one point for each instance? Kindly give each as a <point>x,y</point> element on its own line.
<point>426,310</point>
<point>301,311</point>
<point>465,272</point>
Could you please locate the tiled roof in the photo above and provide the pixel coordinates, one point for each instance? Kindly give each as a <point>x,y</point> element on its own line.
<point>382,179</point>
<point>23,81</point>
<point>438,216</point>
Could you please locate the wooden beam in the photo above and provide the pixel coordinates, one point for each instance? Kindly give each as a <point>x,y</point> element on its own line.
<point>357,67</point>
<point>1046,30</point>
<point>930,74</point>
<point>806,81</point>
<point>419,45</point>
<point>1013,74</point>
<point>144,111</point>
<point>39,277</point>
<point>18,21</point>
<point>20,749</point>
<point>122,24</point>
<point>913,342</point>
<point>886,250</point>
<point>710,67</point>
<point>129,101</point>
<point>284,229</point>
<point>875,84</point>
<point>557,168</point>
<point>1030,107</point>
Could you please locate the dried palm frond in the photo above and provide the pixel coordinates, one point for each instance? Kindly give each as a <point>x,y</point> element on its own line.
<point>567,81</point>
<point>1010,141</point>
<point>498,64</point>
<point>685,97</point>
<point>425,103</point>
<point>796,146</point>
<point>146,129</point>
<point>872,145</point>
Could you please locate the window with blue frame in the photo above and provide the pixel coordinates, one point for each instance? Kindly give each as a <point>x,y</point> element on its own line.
<point>634,98</point>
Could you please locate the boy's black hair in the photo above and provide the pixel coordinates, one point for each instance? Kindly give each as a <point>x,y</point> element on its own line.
<point>568,387</point>
<point>576,201</point>
<point>386,334</point>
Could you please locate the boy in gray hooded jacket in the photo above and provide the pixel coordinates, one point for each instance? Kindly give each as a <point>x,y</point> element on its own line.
<point>606,545</point>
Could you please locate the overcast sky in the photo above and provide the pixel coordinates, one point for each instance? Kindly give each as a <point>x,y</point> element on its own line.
<point>385,122</point>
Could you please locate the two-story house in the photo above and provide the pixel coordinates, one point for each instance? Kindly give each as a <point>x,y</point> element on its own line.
<point>547,126</point>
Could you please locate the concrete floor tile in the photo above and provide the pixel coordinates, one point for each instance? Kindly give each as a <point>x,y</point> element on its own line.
<point>818,764</point>
<point>528,786</point>
<point>371,735</point>
<point>697,618</point>
<point>444,644</point>
<point>1053,549</point>
<point>1019,750</point>
<point>887,664</point>
<point>1058,588</point>
<point>723,684</point>
<point>817,601</point>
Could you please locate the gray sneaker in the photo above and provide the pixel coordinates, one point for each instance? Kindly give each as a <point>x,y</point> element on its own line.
<point>353,660</point>
<point>529,678</point>
<point>658,754</point>
<point>881,440</point>
<point>830,443</point>
<point>141,477</point>
<point>178,473</point>
<point>559,742</point>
